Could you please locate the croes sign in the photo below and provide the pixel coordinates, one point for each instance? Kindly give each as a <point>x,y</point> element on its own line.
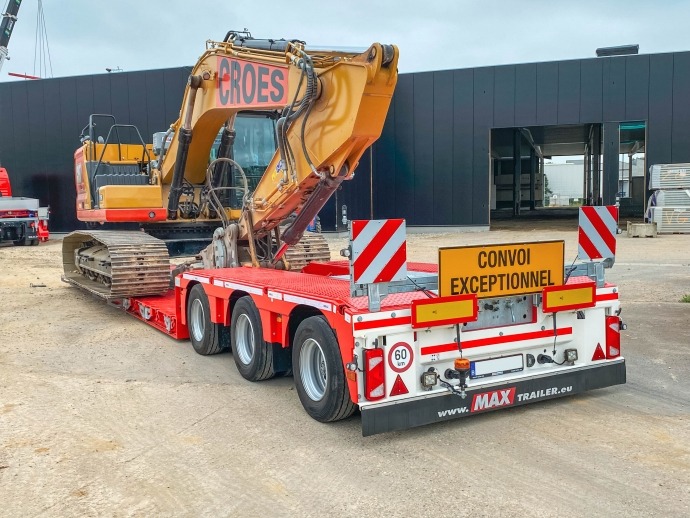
<point>250,85</point>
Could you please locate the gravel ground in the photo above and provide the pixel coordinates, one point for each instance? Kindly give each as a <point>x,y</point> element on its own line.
<point>101,415</point>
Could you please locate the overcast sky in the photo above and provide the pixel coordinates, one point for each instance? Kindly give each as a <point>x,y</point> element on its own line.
<point>88,36</point>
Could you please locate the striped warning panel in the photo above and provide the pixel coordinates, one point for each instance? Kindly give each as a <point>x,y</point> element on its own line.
<point>379,251</point>
<point>597,232</point>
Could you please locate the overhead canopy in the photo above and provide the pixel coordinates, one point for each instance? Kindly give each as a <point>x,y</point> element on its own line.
<point>566,140</point>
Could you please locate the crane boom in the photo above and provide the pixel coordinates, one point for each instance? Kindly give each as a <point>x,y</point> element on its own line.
<point>9,18</point>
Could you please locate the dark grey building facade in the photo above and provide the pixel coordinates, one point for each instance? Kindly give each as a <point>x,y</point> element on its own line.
<point>40,124</point>
<point>446,134</point>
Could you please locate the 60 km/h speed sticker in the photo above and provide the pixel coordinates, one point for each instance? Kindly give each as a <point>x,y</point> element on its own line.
<point>400,357</point>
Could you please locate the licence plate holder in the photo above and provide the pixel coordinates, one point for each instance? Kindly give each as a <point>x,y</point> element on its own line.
<point>496,366</point>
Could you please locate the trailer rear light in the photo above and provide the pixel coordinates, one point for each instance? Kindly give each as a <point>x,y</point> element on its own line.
<point>613,337</point>
<point>374,374</point>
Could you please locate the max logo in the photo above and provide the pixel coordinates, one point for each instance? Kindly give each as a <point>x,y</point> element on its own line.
<point>246,84</point>
<point>493,399</point>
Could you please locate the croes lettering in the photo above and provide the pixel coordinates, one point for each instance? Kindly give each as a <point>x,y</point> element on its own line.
<point>241,83</point>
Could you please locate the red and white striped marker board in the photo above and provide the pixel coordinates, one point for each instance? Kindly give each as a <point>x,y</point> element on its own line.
<point>379,251</point>
<point>597,232</point>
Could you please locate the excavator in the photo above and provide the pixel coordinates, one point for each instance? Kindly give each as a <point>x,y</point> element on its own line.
<point>268,130</point>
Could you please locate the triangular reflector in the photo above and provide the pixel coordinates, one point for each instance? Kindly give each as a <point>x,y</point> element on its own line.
<point>598,353</point>
<point>399,387</point>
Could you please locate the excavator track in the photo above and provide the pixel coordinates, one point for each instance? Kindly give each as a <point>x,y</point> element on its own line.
<point>115,264</point>
<point>312,247</point>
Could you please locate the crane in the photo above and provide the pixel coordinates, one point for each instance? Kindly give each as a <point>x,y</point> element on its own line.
<point>9,18</point>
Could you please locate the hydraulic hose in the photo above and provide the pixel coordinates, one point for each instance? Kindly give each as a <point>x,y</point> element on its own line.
<point>184,138</point>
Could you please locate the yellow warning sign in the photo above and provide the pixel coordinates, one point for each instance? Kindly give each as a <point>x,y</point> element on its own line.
<point>500,270</point>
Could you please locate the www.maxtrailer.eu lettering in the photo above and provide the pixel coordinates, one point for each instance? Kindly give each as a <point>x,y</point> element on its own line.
<point>544,393</point>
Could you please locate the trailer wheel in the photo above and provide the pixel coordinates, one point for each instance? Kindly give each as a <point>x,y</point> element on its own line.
<point>253,356</point>
<point>319,373</point>
<point>204,334</point>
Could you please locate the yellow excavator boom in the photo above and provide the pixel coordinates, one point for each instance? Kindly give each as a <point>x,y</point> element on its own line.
<point>330,106</point>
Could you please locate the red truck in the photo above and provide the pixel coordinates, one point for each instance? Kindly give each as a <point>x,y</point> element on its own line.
<point>22,221</point>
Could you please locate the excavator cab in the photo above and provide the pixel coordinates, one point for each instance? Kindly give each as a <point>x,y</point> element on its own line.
<point>253,149</point>
<point>117,177</point>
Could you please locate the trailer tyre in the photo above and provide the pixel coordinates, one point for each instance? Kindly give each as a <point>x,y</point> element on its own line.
<point>206,337</point>
<point>253,356</point>
<point>319,373</point>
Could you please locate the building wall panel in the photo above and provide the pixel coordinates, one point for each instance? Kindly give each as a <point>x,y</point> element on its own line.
<point>680,132</point>
<point>614,88</point>
<point>636,87</point>
<point>569,92</point>
<point>36,110</point>
<point>463,147</point>
<point>504,96</point>
<point>405,149</point>
<point>19,164</point>
<point>155,102</point>
<point>526,94</point>
<point>423,112</point>
<point>138,107</point>
<point>591,90</point>
<point>547,93</point>
<point>102,94</point>
<point>611,163</point>
<point>443,148</point>
<point>660,122</point>
<point>483,119</point>
<point>385,178</point>
<point>62,194</point>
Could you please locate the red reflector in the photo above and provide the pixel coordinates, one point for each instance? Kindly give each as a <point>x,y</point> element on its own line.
<point>399,387</point>
<point>598,353</point>
<point>374,375</point>
<point>613,337</point>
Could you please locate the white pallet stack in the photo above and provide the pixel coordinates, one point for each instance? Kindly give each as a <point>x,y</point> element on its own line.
<point>669,204</point>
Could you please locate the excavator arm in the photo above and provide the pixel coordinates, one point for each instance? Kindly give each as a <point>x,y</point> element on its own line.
<point>330,107</point>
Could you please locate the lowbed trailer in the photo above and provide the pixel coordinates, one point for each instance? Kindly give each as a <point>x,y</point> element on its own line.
<point>412,357</point>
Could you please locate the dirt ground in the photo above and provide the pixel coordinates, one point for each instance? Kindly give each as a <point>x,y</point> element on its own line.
<point>101,415</point>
